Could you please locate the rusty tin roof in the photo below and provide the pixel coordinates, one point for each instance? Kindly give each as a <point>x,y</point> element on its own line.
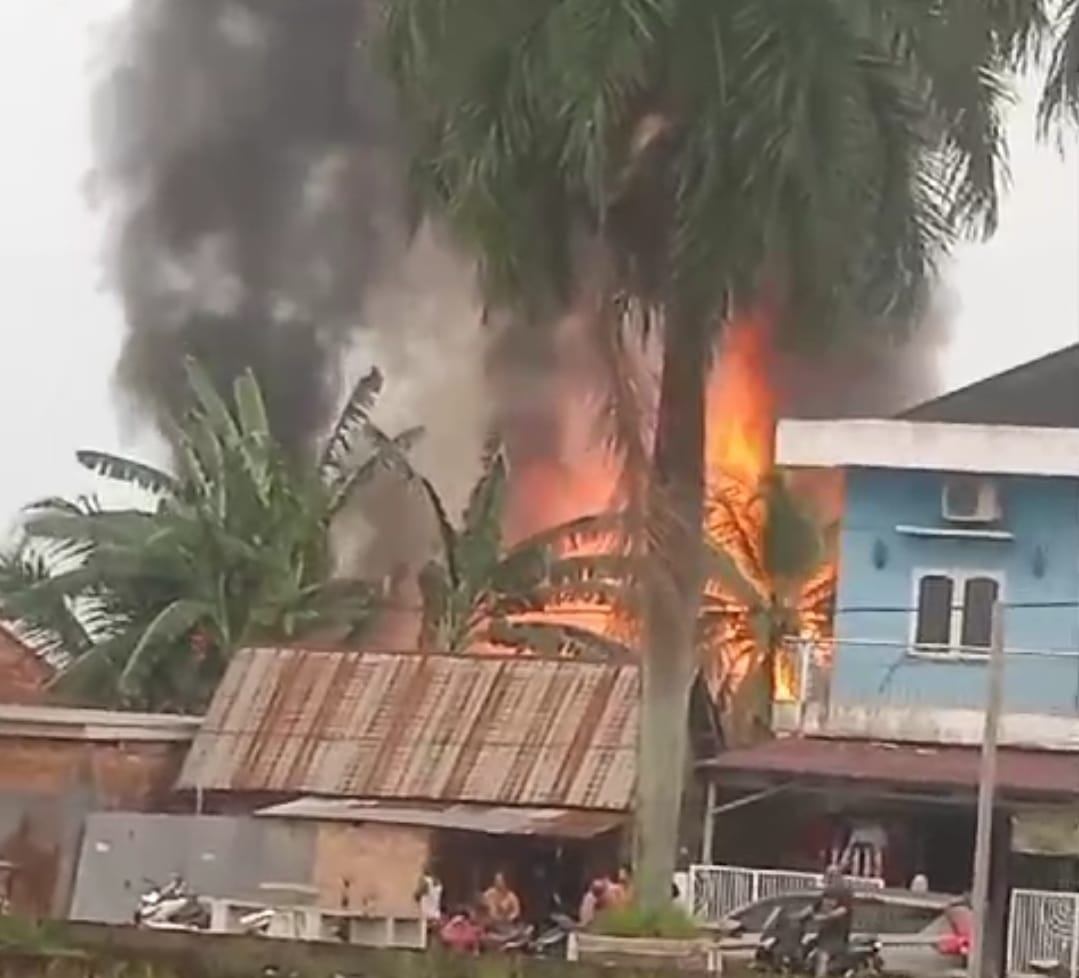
<point>1021,773</point>
<point>494,730</point>
<point>555,823</point>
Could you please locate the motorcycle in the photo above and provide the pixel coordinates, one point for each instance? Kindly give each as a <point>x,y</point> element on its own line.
<point>552,940</point>
<point>1049,967</point>
<point>171,907</point>
<point>257,922</point>
<point>860,956</point>
<point>781,948</point>
<point>508,939</point>
<point>789,945</point>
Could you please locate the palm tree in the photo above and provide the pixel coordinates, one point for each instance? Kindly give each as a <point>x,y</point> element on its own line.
<point>1060,96</point>
<point>479,593</point>
<point>146,607</point>
<point>775,583</point>
<point>701,158</point>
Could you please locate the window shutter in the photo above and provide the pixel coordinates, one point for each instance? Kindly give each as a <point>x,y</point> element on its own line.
<point>979,596</point>
<point>934,626</point>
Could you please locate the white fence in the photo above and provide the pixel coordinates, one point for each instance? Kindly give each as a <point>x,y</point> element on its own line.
<point>714,891</point>
<point>1043,925</point>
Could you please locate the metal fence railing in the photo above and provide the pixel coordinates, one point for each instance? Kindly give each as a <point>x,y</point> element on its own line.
<point>714,891</point>
<point>1043,925</point>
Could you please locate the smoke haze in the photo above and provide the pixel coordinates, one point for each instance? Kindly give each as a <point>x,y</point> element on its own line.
<point>247,154</point>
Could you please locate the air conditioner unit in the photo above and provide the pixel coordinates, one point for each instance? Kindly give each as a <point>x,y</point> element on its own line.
<point>969,499</point>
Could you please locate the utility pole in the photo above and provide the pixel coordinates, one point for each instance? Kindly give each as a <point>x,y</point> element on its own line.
<point>987,784</point>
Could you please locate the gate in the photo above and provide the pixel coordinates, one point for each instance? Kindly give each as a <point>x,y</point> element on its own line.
<point>1043,924</point>
<point>714,891</point>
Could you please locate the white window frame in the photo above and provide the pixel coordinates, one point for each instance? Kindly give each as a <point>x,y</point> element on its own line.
<point>959,577</point>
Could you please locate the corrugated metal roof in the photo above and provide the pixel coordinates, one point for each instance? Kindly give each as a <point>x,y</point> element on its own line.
<point>1020,773</point>
<point>488,729</point>
<point>558,823</point>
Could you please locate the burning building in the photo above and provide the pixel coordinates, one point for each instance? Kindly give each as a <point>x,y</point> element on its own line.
<point>250,158</point>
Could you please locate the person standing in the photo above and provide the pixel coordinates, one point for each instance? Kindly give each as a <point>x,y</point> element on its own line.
<point>429,896</point>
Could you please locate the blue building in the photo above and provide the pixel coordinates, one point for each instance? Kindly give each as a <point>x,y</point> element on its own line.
<point>963,504</point>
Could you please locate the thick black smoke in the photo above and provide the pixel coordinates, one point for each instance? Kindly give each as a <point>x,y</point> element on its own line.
<point>244,151</point>
<point>247,152</point>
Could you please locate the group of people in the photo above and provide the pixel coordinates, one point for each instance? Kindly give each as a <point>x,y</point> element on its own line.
<point>497,910</point>
<point>605,893</point>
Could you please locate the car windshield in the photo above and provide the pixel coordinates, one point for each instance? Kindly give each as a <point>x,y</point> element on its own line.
<point>753,918</point>
<point>873,913</point>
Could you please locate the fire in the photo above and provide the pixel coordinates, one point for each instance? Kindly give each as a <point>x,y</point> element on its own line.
<point>739,455</point>
<point>741,406</point>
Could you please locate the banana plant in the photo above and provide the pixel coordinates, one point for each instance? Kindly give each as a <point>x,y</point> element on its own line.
<point>145,607</point>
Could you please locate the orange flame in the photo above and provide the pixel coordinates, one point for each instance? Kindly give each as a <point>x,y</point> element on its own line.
<point>741,411</point>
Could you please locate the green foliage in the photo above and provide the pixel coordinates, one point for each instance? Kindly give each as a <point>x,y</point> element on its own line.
<point>829,150</point>
<point>670,921</point>
<point>29,935</point>
<point>145,607</point>
<point>477,589</point>
<point>1060,96</point>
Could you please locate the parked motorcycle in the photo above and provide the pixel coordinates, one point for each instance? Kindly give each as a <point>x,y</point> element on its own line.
<point>257,922</point>
<point>171,907</point>
<point>552,939</point>
<point>1049,967</point>
<point>508,939</point>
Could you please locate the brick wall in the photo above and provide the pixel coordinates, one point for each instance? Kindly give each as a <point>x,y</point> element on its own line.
<point>22,674</point>
<point>137,776</point>
<point>47,787</point>
<point>382,864</point>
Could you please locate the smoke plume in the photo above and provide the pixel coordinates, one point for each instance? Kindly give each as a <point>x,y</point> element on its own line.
<point>248,155</point>
<point>871,378</point>
<point>245,156</point>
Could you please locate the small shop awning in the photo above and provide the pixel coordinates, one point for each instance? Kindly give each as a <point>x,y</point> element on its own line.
<point>1046,833</point>
<point>808,762</point>
<point>556,823</point>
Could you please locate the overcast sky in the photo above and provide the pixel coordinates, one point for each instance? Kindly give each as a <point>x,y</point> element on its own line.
<point>60,334</point>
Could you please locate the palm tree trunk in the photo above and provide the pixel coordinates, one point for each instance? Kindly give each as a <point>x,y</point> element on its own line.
<point>672,599</point>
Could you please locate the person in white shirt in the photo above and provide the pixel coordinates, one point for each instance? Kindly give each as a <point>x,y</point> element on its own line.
<point>429,896</point>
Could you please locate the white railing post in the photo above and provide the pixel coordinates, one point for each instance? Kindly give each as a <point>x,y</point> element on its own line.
<point>1074,963</point>
<point>804,657</point>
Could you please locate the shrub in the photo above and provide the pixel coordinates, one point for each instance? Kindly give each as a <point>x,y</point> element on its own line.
<point>670,922</point>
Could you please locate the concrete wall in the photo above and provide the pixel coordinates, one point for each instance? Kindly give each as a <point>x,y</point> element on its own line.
<point>233,856</point>
<point>873,661</point>
<point>218,855</point>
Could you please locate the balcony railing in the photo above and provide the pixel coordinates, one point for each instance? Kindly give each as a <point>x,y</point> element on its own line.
<point>888,690</point>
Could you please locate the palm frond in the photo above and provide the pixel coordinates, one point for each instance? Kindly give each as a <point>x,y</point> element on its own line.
<point>354,418</point>
<point>554,638</point>
<point>1060,96</point>
<point>43,616</point>
<point>127,470</point>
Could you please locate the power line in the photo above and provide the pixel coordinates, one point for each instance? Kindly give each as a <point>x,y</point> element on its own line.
<point>911,609</point>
